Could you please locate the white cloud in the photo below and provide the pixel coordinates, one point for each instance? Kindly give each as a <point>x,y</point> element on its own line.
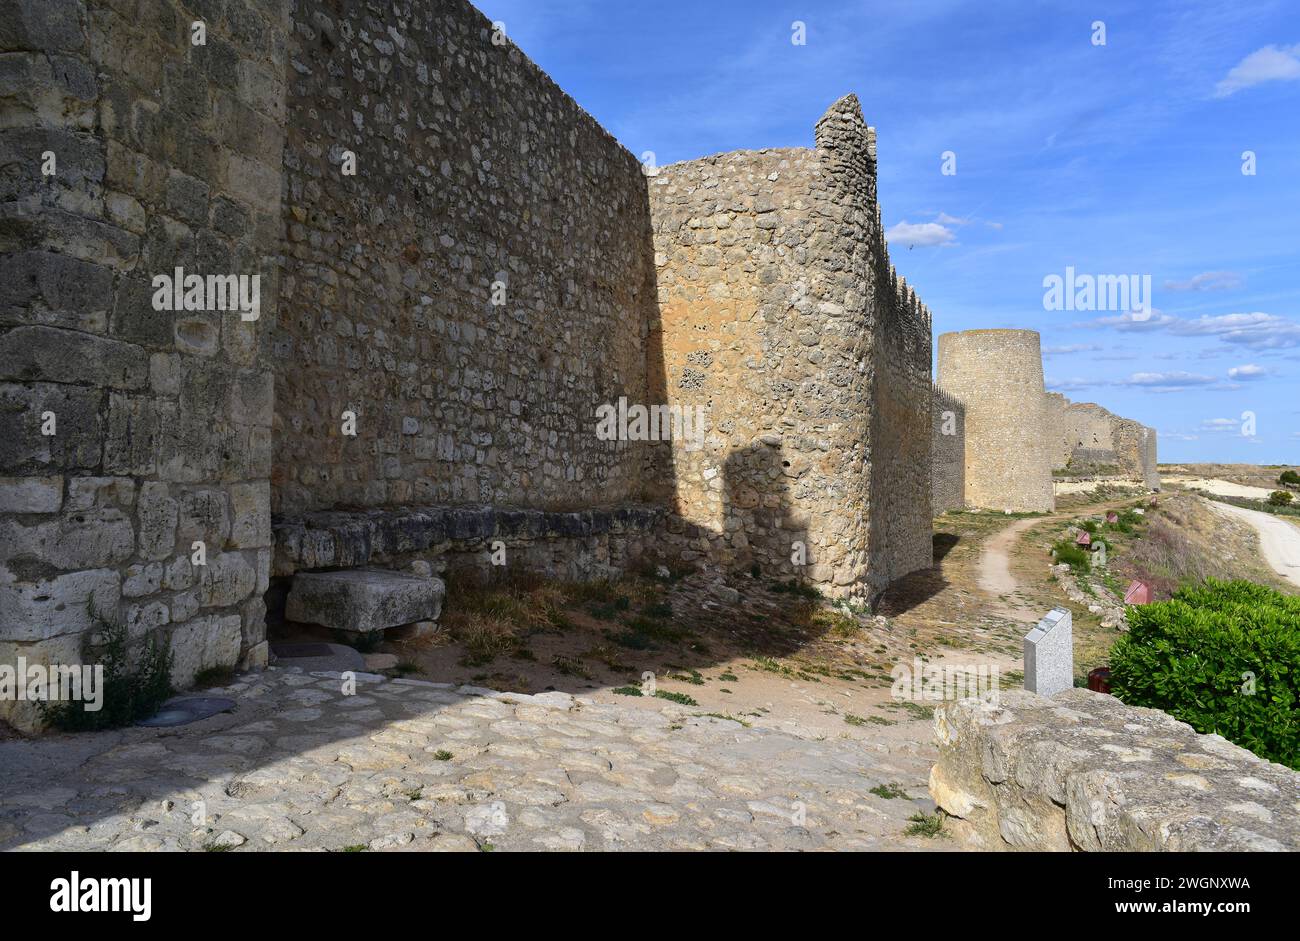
<point>920,233</point>
<point>1220,425</point>
<point>1248,371</point>
<point>1270,64</point>
<point>1179,436</point>
<point>944,219</point>
<point>1133,321</point>
<point>1166,380</point>
<point>1207,281</point>
<point>1072,348</point>
<point>1256,331</point>
<point>1069,385</point>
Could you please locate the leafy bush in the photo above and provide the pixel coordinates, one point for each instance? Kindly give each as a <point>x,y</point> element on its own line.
<point>1223,657</point>
<point>131,691</point>
<point>1289,478</point>
<point>1076,558</point>
<point>1279,498</point>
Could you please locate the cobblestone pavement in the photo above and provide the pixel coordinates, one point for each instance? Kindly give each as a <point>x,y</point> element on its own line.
<point>413,765</point>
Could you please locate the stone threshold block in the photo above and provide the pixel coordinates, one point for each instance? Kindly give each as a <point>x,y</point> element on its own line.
<point>364,600</point>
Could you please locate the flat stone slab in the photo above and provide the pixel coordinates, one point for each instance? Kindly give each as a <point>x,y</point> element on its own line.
<point>363,600</point>
<point>318,658</point>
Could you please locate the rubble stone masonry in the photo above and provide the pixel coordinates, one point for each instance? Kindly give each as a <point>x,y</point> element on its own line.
<point>780,317</point>
<point>457,263</point>
<point>998,374</point>
<point>472,169</point>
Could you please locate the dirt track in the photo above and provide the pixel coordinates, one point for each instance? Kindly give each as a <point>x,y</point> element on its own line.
<point>1279,541</point>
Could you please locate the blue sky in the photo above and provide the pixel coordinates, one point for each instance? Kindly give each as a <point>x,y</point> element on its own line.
<point>1123,158</point>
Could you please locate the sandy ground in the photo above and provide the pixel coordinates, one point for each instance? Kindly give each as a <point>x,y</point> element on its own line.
<point>1223,488</point>
<point>995,576</point>
<point>1279,541</point>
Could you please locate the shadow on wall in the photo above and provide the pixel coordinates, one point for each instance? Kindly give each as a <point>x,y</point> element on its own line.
<point>759,525</point>
<point>916,588</point>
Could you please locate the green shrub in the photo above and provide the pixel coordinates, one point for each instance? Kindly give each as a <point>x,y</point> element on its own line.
<point>131,691</point>
<point>1289,478</point>
<point>1223,657</point>
<point>1072,555</point>
<point>1279,498</point>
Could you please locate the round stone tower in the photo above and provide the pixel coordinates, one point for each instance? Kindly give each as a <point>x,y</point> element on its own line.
<point>999,375</point>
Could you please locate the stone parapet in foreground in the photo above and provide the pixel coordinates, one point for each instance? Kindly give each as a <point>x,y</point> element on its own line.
<point>1083,771</point>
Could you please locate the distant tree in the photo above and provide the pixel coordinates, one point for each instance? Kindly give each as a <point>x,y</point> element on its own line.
<point>1279,498</point>
<point>1289,478</point>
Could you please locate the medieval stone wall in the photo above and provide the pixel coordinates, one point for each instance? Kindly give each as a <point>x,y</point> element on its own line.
<point>1088,440</point>
<point>472,169</point>
<point>998,374</point>
<point>222,139</point>
<point>948,441</point>
<point>128,434</point>
<point>774,305</point>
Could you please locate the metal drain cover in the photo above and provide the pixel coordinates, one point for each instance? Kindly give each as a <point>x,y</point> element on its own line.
<point>186,710</point>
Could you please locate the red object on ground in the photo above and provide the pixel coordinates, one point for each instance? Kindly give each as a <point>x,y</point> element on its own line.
<point>1112,516</point>
<point>1138,593</point>
<point>1099,680</point>
<point>1083,539</point>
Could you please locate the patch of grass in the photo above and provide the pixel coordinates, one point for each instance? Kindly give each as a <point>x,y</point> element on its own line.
<point>915,709</point>
<point>835,622</point>
<point>132,688</point>
<point>660,609</point>
<point>797,588</point>
<point>627,691</point>
<point>851,719</point>
<point>728,677</point>
<point>355,848</point>
<point>690,676</point>
<point>890,792</point>
<point>723,715</point>
<point>680,698</point>
<point>1065,551</point>
<point>405,668</point>
<point>570,666</point>
<point>927,825</point>
<point>443,755</point>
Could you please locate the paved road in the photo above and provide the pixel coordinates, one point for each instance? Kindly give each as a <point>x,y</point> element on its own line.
<point>411,765</point>
<point>1279,541</point>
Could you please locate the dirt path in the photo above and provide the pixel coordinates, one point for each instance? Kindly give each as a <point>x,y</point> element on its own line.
<point>995,576</point>
<point>1279,541</point>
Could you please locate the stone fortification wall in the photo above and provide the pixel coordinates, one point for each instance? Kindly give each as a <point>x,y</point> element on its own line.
<point>1090,440</point>
<point>776,313</point>
<point>129,433</point>
<point>998,374</point>
<point>948,442</point>
<point>477,181</point>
